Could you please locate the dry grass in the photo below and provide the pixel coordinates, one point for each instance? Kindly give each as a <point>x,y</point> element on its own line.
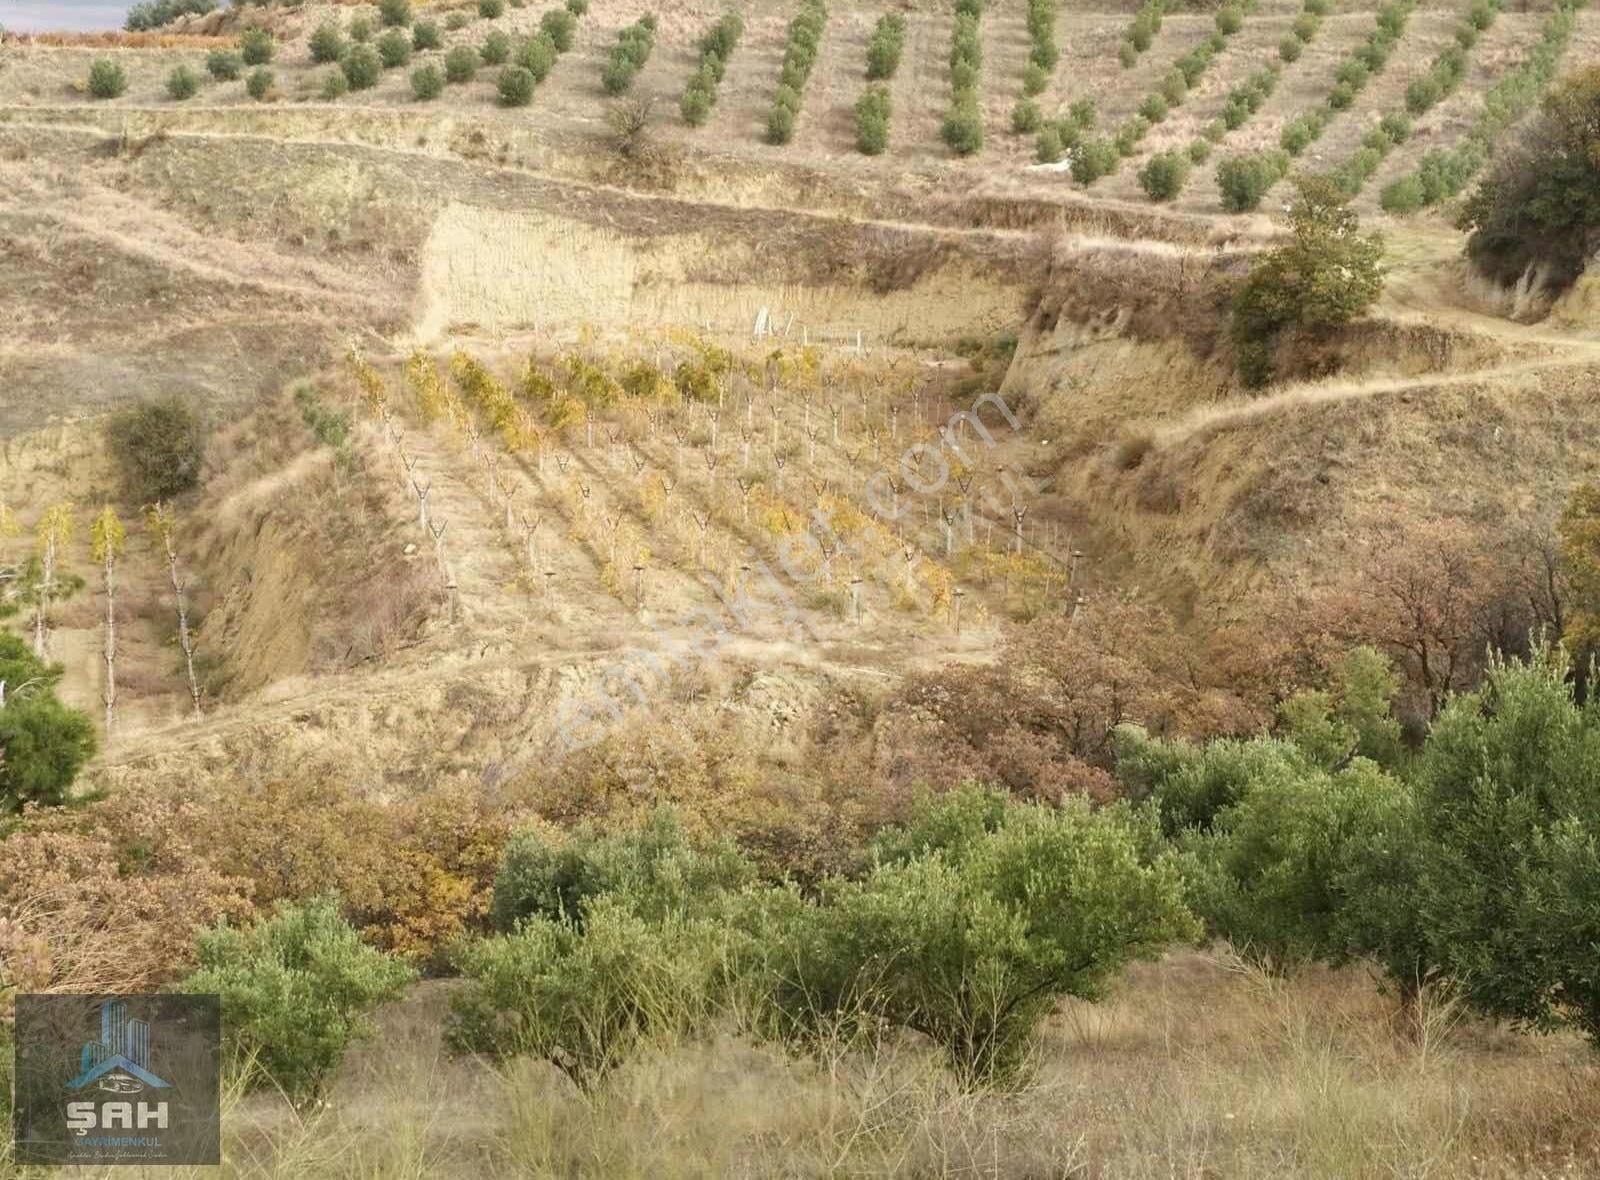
<point>122,40</point>
<point>1196,1067</point>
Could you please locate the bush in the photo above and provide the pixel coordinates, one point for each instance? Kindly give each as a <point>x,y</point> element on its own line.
<point>1329,274</point>
<point>515,86</point>
<point>427,83</point>
<point>695,105</point>
<point>361,67</point>
<point>561,26</point>
<point>1300,132</point>
<point>255,47</point>
<point>1082,114</point>
<point>425,36</point>
<point>577,7</point>
<point>538,56</point>
<point>1229,21</point>
<point>1199,151</point>
<point>1130,133</point>
<point>1164,175</point>
<point>780,124</point>
<point>1395,127</point>
<point>1026,117</point>
<point>496,49</point>
<point>45,742</point>
<point>962,129</point>
<point>223,65</point>
<point>1127,55</point>
<point>1095,158</point>
<point>152,14</point>
<point>158,447</point>
<point>335,85</point>
<point>259,84</point>
<point>394,49</point>
<point>394,14</point>
<point>456,21</point>
<point>295,990</point>
<point>360,30</point>
<point>1048,148</point>
<point>461,64</point>
<point>1174,88</point>
<point>106,79</point>
<point>182,83</point>
<point>886,46</point>
<point>1245,179</point>
<point>1290,49</point>
<point>491,9</point>
<point>982,918</point>
<point>327,43</point>
<point>872,120</point>
<point>1153,108</point>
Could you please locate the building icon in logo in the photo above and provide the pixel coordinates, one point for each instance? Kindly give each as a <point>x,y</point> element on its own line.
<point>120,1060</point>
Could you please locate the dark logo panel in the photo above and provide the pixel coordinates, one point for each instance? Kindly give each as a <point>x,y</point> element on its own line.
<point>118,1079</point>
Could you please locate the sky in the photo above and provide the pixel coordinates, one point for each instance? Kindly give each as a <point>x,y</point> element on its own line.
<point>36,16</point>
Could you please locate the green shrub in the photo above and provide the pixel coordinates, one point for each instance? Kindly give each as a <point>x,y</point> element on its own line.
<point>1395,127</point>
<point>1229,21</point>
<point>1404,195</point>
<point>1300,132</point>
<point>456,21</point>
<point>45,742</point>
<point>295,990</point>
<point>695,105</point>
<point>1026,117</point>
<point>538,55</point>
<point>394,14</point>
<point>1327,275</point>
<point>255,47</point>
<point>223,65</point>
<point>335,85</point>
<point>362,68</point>
<point>561,27</point>
<point>427,83</point>
<point>1245,179</point>
<point>974,941</point>
<point>394,49</point>
<point>1127,55</point>
<point>962,129</point>
<point>158,448</point>
<point>327,43</point>
<point>491,9</point>
<point>496,49</point>
<point>1174,87</point>
<point>1199,151</point>
<point>1048,148</point>
<point>1082,114</point>
<point>886,47</point>
<point>1163,175</point>
<point>360,30</point>
<point>780,124</point>
<point>461,64</point>
<point>1094,158</point>
<point>577,7</point>
<point>1290,49</point>
<point>425,36</point>
<point>152,14</point>
<point>1130,133</point>
<point>259,84</point>
<point>515,86</point>
<point>872,120</point>
<point>106,79</point>
<point>1153,108</point>
<point>182,83</point>
<point>1305,26</point>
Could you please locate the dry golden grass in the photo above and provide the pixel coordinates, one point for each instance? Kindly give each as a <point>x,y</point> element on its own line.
<point>1196,1067</point>
<point>115,40</point>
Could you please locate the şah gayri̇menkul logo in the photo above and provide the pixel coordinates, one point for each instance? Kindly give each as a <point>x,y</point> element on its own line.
<point>144,1087</point>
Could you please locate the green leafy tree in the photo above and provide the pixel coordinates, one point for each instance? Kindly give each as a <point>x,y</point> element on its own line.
<point>255,47</point>
<point>158,447</point>
<point>295,989</point>
<point>43,743</point>
<point>224,65</point>
<point>183,83</point>
<point>515,86</point>
<point>461,64</point>
<point>427,83</point>
<point>361,68</point>
<point>259,84</point>
<point>394,49</point>
<point>1329,274</point>
<point>327,43</point>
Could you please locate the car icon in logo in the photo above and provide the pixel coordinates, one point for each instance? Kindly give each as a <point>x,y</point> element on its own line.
<point>120,1060</point>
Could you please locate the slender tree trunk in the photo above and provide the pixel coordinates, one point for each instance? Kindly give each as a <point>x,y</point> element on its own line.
<point>185,639</point>
<point>111,641</point>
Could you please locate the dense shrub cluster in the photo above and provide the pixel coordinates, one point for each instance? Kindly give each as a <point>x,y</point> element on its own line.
<point>182,83</point>
<point>885,47</point>
<point>1442,174</point>
<point>1392,130</point>
<point>361,67</point>
<point>295,989</point>
<point>799,56</point>
<point>1146,24</point>
<point>973,921</point>
<point>394,14</point>
<point>716,47</point>
<point>255,47</point>
<point>1163,175</point>
<point>496,49</point>
<point>872,120</point>
<point>425,35</point>
<point>1059,136</point>
<point>1043,52</point>
<point>152,14</point>
<point>629,54</point>
<point>1538,210</point>
<point>224,65</point>
<point>394,49</point>
<point>427,83</point>
<point>1450,64</point>
<point>460,65</point>
<point>962,129</point>
<point>258,85</point>
<point>327,43</point>
<point>1329,274</point>
<point>1305,28</point>
<point>158,448</point>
